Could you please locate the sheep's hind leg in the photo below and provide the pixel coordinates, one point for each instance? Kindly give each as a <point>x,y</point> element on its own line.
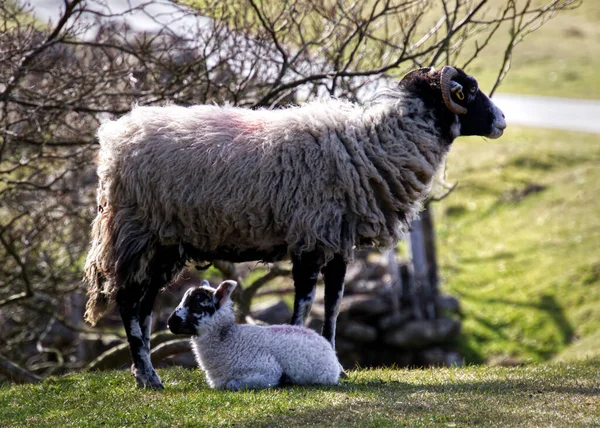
<point>305,271</point>
<point>130,309</point>
<point>333,276</point>
<point>146,306</point>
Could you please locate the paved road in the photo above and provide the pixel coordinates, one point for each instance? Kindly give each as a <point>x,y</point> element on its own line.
<point>549,112</point>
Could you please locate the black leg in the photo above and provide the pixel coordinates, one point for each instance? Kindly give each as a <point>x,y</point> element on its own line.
<point>333,276</point>
<point>305,272</point>
<point>130,307</point>
<point>146,307</point>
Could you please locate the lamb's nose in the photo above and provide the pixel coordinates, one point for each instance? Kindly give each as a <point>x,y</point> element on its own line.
<point>174,322</point>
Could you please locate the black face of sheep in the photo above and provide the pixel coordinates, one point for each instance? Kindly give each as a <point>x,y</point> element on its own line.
<point>462,109</point>
<point>312,182</point>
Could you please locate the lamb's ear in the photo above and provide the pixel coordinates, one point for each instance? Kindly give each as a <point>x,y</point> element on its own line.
<point>205,283</point>
<point>223,292</point>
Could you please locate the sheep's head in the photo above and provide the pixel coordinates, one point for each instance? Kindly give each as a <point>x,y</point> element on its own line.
<point>198,307</point>
<point>464,109</point>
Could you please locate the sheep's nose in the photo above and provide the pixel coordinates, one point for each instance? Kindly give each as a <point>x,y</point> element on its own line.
<point>174,323</point>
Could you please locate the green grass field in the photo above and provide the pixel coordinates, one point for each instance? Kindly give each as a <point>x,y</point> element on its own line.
<point>557,395</point>
<point>519,243</point>
<point>560,59</point>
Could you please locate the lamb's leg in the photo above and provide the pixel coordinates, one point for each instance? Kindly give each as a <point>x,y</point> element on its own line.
<point>333,276</point>
<point>130,308</point>
<point>305,271</point>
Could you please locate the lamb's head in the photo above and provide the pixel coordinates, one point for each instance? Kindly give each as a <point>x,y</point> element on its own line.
<point>465,110</point>
<point>202,307</point>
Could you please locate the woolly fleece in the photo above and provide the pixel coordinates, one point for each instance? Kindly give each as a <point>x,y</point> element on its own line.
<point>328,175</point>
<point>251,356</point>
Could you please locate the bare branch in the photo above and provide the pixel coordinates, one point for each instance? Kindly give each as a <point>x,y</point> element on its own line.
<point>15,373</point>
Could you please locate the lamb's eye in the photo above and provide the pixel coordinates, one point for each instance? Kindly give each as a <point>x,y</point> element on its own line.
<point>473,89</point>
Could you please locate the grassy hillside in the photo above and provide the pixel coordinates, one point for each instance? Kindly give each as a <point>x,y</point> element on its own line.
<point>519,242</point>
<point>557,395</point>
<point>559,59</point>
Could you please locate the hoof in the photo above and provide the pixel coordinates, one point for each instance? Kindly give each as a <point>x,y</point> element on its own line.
<point>150,381</point>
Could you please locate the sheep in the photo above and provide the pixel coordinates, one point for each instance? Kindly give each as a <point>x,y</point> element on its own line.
<point>249,356</point>
<point>309,183</point>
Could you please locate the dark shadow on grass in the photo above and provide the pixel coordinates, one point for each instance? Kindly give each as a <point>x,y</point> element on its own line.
<point>393,402</point>
<point>547,304</point>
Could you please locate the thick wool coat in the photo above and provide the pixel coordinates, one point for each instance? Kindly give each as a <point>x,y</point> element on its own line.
<point>329,175</point>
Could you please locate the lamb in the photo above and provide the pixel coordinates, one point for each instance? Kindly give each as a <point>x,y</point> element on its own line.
<point>309,183</point>
<point>249,356</point>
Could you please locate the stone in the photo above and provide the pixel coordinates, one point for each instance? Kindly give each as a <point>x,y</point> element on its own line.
<point>447,304</point>
<point>386,356</point>
<point>375,270</point>
<point>365,305</point>
<point>354,272</point>
<point>368,286</point>
<point>315,323</point>
<point>343,346</point>
<point>418,334</point>
<point>272,312</point>
<point>440,357</point>
<point>357,332</point>
<point>388,322</point>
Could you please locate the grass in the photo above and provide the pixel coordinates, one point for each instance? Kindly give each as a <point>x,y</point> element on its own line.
<point>519,243</point>
<point>557,395</point>
<point>560,59</point>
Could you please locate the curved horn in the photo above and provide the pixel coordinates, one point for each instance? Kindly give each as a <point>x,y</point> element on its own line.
<point>447,74</point>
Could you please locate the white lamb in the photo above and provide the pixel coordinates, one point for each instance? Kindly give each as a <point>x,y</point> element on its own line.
<point>249,356</point>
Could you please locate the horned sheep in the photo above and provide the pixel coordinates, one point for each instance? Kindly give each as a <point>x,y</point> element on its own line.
<point>249,356</point>
<point>310,183</point>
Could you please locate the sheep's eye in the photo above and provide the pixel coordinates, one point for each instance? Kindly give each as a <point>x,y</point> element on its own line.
<point>473,89</point>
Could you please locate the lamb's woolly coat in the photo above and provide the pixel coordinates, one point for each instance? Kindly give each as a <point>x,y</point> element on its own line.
<point>248,356</point>
<point>329,175</point>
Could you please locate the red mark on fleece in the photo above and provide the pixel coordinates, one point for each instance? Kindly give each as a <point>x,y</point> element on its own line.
<point>251,125</point>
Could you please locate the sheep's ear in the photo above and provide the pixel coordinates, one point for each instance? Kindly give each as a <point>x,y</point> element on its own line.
<point>223,292</point>
<point>205,283</point>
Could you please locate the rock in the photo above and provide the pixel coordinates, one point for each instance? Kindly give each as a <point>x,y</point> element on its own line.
<point>375,271</point>
<point>381,356</point>
<point>447,304</point>
<point>357,332</point>
<point>437,356</point>
<point>318,310</point>
<point>272,312</point>
<point>416,334</point>
<point>365,305</point>
<point>454,359</point>
<point>368,286</point>
<point>315,323</point>
<point>354,272</point>
<point>387,322</point>
<point>343,346</point>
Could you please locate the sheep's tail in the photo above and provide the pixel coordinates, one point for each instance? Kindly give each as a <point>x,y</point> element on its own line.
<point>99,267</point>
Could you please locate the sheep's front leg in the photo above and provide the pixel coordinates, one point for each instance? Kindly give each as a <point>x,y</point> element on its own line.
<point>305,271</point>
<point>333,276</point>
<point>136,320</point>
